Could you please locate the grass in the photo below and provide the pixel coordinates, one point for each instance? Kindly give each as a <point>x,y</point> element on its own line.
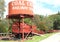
<point>39,38</point>
<point>34,38</point>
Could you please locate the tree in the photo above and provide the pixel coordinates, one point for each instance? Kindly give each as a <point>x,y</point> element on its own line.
<point>43,22</point>
<point>37,20</point>
<point>3,26</point>
<point>57,23</point>
<point>56,20</point>
<point>2,8</point>
<point>28,21</point>
<point>3,23</point>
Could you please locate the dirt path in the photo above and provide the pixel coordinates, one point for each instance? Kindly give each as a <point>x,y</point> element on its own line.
<point>53,38</point>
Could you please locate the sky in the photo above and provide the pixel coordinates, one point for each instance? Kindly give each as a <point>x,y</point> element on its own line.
<point>42,7</point>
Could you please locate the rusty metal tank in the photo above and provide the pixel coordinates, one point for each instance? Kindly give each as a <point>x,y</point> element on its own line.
<point>20,7</point>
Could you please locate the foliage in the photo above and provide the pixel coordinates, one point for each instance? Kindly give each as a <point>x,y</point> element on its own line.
<point>2,8</point>
<point>10,21</point>
<point>56,21</point>
<point>28,21</point>
<point>3,26</point>
<point>43,22</point>
<point>37,20</point>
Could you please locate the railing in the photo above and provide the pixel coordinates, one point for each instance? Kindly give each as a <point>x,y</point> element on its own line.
<point>4,34</point>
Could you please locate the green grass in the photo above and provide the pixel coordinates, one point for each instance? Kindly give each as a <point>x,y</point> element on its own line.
<point>39,38</point>
<point>34,38</point>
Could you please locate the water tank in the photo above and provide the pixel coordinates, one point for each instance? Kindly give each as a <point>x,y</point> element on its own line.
<point>20,7</point>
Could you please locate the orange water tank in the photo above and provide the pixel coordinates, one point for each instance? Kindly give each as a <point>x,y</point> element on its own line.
<point>20,7</point>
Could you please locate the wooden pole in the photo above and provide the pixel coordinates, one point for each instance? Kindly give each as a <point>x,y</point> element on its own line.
<point>23,29</point>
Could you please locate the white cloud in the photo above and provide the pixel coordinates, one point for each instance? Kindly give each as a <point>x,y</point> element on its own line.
<point>56,2</point>
<point>39,9</point>
<point>52,2</point>
<point>43,11</point>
